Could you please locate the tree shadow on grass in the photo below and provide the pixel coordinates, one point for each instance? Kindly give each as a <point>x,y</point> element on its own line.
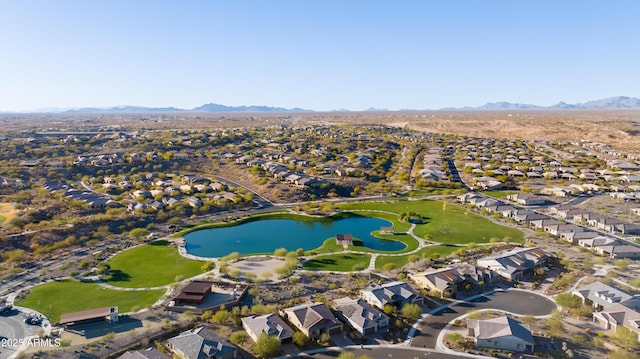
<point>161,243</point>
<point>320,263</point>
<point>118,276</point>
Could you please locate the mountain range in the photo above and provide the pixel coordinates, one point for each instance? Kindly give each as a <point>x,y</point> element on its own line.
<point>620,102</point>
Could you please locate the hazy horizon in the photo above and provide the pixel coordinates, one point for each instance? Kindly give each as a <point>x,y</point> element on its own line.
<point>319,56</point>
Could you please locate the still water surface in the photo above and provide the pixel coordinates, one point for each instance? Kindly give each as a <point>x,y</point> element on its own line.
<point>265,236</point>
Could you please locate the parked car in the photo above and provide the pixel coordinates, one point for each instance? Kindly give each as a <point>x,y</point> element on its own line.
<point>5,309</point>
<point>33,320</point>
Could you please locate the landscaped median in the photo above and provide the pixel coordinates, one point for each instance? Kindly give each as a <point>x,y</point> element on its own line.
<point>68,295</point>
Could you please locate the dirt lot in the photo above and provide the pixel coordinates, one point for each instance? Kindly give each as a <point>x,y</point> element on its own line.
<point>7,212</point>
<point>258,266</point>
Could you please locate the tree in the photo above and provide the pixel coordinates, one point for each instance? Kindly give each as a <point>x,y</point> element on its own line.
<point>324,338</point>
<point>300,339</point>
<point>626,338</point>
<point>266,346</point>
<point>347,355</point>
<point>388,309</point>
<point>138,233</point>
<point>239,337</point>
<point>411,310</point>
<point>280,252</point>
<point>207,266</point>
<point>568,300</point>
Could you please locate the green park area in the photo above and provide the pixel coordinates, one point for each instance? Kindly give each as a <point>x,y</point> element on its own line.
<point>344,262</point>
<point>396,262</point>
<point>442,222</point>
<point>151,265</point>
<point>499,194</point>
<point>66,296</point>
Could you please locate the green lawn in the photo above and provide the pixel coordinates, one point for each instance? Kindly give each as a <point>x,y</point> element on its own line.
<point>345,262</point>
<point>445,222</point>
<point>329,246</point>
<point>426,252</point>
<point>498,194</point>
<point>151,265</point>
<point>410,242</point>
<point>65,296</point>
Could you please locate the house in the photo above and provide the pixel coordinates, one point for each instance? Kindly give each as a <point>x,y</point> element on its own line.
<point>444,280</point>
<point>393,293</point>
<point>624,228</point>
<point>574,237</point>
<point>313,319</point>
<point>149,353</point>
<point>597,241</point>
<point>201,343</point>
<point>541,223</point>
<point>488,183</point>
<point>600,295</point>
<point>526,199</point>
<point>270,324</point>
<point>361,316</point>
<point>512,264</point>
<point>194,201</point>
<point>619,250</point>
<point>558,229</point>
<point>525,216</point>
<point>501,333</point>
<point>475,274</point>
<point>619,315</point>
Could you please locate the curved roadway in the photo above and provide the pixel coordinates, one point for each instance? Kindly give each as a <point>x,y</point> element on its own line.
<point>512,300</point>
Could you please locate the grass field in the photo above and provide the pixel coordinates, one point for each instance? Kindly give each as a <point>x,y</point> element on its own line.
<point>328,246</point>
<point>445,222</point>
<point>410,242</point>
<point>338,262</point>
<point>498,194</point>
<point>151,265</point>
<point>426,252</point>
<point>65,296</point>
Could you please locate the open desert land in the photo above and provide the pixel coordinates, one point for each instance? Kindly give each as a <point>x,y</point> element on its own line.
<point>617,128</point>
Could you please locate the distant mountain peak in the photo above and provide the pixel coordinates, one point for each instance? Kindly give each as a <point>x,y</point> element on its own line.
<point>214,107</point>
<point>619,102</point>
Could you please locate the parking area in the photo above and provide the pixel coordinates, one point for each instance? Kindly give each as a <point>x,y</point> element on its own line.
<point>12,326</point>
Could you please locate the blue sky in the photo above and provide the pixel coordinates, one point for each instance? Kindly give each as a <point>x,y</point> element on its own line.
<point>320,55</point>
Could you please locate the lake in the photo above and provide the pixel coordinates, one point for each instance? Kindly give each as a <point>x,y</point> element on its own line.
<point>265,236</point>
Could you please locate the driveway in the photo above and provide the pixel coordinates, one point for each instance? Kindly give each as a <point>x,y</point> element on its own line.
<point>513,301</point>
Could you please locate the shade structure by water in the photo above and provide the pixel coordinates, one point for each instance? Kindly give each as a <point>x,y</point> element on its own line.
<point>265,236</point>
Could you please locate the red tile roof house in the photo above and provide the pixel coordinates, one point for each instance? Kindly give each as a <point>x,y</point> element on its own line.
<point>444,280</point>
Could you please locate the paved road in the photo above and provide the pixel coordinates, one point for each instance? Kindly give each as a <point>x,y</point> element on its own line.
<point>514,301</point>
<point>385,353</point>
<point>13,327</point>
